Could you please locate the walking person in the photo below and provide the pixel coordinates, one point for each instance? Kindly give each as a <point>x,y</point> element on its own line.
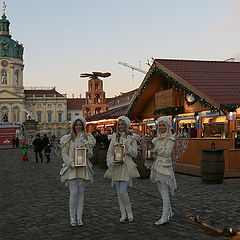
<point>17,142</point>
<point>76,177</point>
<point>46,147</point>
<point>123,173</point>
<point>13,141</point>
<point>161,170</point>
<point>47,152</point>
<point>38,147</point>
<point>25,153</point>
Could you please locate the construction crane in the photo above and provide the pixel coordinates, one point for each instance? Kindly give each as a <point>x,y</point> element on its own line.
<point>132,67</point>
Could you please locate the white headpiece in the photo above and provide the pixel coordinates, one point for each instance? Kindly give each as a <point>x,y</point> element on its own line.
<point>126,120</point>
<point>82,119</point>
<point>164,119</point>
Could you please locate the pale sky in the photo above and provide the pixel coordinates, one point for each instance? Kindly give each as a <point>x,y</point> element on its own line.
<point>64,38</point>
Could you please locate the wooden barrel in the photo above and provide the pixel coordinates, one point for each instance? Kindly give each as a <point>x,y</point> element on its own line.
<point>101,156</point>
<point>212,166</point>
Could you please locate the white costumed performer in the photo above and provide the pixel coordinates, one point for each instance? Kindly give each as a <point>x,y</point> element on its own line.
<point>161,170</point>
<point>123,173</point>
<point>76,177</point>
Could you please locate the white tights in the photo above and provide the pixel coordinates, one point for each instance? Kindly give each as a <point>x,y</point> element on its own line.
<point>76,198</point>
<point>123,199</point>
<point>166,210</point>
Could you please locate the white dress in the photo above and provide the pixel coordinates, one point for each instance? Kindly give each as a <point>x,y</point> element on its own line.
<point>124,171</point>
<point>68,146</point>
<point>162,169</point>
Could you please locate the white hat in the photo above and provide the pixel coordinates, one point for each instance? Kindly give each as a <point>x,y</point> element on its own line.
<point>126,120</point>
<point>82,119</point>
<point>164,119</point>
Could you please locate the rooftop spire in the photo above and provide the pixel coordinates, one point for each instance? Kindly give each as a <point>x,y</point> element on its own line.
<point>4,8</point>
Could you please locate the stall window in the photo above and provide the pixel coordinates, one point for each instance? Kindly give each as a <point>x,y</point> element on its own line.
<point>215,130</point>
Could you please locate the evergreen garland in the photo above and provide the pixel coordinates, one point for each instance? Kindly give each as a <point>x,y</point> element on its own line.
<point>202,101</point>
<point>170,111</point>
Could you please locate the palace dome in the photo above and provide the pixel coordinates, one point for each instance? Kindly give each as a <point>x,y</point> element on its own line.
<point>8,46</point>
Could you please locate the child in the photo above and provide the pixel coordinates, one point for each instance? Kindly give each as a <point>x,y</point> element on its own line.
<point>25,153</point>
<point>47,151</point>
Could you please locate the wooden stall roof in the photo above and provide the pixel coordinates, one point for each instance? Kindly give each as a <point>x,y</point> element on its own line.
<point>113,113</point>
<point>217,82</point>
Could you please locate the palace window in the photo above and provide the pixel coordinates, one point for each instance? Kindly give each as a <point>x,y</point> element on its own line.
<point>49,116</point>
<point>16,77</point>
<point>4,77</point>
<point>16,114</point>
<point>59,105</point>
<point>69,116</point>
<point>39,116</point>
<point>49,105</point>
<point>39,105</point>
<point>60,114</point>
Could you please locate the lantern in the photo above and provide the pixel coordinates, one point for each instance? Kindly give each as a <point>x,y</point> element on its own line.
<point>80,159</point>
<point>119,153</point>
<point>147,150</point>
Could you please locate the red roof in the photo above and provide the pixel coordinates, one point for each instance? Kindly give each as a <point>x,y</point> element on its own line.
<point>217,79</point>
<point>113,113</point>
<point>42,92</point>
<point>123,98</point>
<point>75,103</point>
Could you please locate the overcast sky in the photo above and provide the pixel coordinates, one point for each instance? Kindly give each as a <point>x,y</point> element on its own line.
<point>64,38</point>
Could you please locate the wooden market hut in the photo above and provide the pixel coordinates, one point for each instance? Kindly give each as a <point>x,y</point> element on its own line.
<point>200,96</point>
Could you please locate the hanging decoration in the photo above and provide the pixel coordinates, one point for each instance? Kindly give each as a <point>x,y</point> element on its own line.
<point>190,99</point>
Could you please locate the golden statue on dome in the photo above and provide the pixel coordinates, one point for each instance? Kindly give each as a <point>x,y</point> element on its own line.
<point>4,8</point>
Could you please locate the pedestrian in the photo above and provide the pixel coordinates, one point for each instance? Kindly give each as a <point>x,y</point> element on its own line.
<point>161,169</point>
<point>47,152</point>
<point>17,141</point>
<point>38,147</point>
<point>25,153</point>
<point>46,147</point>
<point>76,177</point>
<point>13,141</point>
<point>123,173</point>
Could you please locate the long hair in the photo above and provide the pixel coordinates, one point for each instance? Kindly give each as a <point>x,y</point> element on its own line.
<point>126,130</point>
<point>74,133</point>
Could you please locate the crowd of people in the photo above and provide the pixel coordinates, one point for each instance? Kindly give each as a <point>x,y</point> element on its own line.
<point>121,172</point>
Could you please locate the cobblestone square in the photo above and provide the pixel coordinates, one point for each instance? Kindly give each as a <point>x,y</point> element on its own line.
<point>34,205</point>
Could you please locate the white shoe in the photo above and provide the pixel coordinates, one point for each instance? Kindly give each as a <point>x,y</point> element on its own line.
<point>130,217</point>
<point>73,222</point>
<point>79,222</point>
<point>123,218</point>
<point>161,221</point>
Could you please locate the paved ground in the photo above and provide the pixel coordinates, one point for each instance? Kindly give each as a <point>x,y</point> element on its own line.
<point>34,205</point>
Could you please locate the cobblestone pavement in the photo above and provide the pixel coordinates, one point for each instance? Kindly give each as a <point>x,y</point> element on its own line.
<point>34,205</point>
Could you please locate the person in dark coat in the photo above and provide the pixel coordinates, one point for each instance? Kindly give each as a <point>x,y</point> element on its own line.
<point>17,141</point>
<point>47,152</point>
<point>14,142</point>
<point>38,147</point>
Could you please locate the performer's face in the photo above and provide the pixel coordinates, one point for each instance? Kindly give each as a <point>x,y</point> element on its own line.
<point>78,126</point>
<point>121,126</point>
<point>162,127</point>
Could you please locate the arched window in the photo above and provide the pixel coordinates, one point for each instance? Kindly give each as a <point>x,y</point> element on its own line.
<point>16,77</point>
<point>39,116</point>
<point>16,114</point>
<point>4,77</point>
<point>49,116</point>
<point>60,116</point>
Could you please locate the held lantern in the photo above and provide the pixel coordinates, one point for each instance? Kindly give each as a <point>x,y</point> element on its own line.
<point>80,159</point>
<point>147,150</point>
<point>119,153</point>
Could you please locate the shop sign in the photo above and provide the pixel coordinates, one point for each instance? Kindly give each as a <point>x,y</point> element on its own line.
<point>184,117</point>
<point>147,121</point>
<point>210,114</point>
